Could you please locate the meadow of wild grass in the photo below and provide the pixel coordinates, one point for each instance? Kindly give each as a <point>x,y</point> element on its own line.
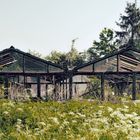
<point>71,120</point>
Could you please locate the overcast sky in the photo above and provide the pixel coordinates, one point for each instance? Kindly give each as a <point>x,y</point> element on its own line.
<point>46,25</point>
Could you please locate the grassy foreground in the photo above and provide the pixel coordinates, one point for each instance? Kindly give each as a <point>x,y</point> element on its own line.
<point>72,120</point>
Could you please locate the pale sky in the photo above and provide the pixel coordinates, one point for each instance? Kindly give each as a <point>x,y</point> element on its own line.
<point>47,25</point>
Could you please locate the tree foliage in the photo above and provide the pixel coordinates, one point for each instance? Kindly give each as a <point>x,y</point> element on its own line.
<point>71,58</point>
<point>130,26</point>
<point>105,45</point>
<point>35,53</point>
<point>56,57</point>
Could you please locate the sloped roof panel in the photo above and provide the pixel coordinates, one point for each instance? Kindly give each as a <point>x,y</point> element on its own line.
<point>14,60</point>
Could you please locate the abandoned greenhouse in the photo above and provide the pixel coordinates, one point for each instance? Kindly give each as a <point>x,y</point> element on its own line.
<point>20,71</point>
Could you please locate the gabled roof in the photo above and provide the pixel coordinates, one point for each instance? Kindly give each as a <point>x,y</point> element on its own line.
<point>12,49</point>
<point>128,58</point>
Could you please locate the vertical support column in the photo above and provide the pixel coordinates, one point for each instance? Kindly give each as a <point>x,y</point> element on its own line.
<point>25,81</point>
<point>66,89</point>
<point>55,88</point>
<point>23,67</point>
<point>47,92</point>
<point>38,87</point>
<point>70,87</point>
<point>18,80</point>
<point>118,63</point>
<point>60,91</point>
<point>6,87</point>
<point>134,87</point>
<point>115,89</point>
<point>23,64</point>
<point>63,90</point>
<point>102,87</point>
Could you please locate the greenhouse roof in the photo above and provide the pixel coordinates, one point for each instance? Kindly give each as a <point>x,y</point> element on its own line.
<point>16,61</point>
<point>124,61</point>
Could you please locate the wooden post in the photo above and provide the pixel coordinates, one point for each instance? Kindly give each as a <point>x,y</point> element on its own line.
<point>102,87</point>
<point>38,87</point>
<point>115,89</point>
<point>70,87</point>
<point>25,81</point>
<point>55,88</point>
<point>6,87</point>
<point>118,63</point>
<point>17,79</point>
<point>134,87</point>
<point>47,92</point>
<point>23,64</point>
<point>66,89</point>
<point>63,89</point>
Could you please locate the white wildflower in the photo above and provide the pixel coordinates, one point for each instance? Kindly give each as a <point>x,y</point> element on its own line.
<point>74,121</point>
<point>18,127</point>
<point>71,113</point>
<point>95,130</point>
<point>116,125</point>
<point>81,115</point>
<point>55,120</point>
<point>109,109</point>
<point>129,116</point>
<point>5,112</point>
<point>42,123</point>
<point>101,106</point>
<point>124,110</point>
<point>19,121</point>
<point>134,114</point>
<point>19,109</point>
<point>117,114</point>
<point>65,122</point>
<point>113,93</point>
<point>129,121</point>
<point>125,106</point>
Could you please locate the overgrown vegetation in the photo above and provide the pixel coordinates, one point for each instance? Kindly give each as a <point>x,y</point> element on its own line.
<point>73,120</point>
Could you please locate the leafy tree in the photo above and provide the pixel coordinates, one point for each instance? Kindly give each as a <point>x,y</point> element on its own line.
<point>70,59</point>
<point>130,26</point>
<point>35,53</point>
<point>105,45</point>
<point>56,57</point>
<point>75,58</point>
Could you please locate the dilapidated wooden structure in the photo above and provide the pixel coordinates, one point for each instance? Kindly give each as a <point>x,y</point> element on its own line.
<point>25,69</point>
<point>20,68</point>
<point>120,68</point>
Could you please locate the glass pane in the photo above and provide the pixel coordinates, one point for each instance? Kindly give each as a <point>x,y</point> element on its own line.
<point>108,64</point>
<point>86,69</point>
<point>54,69</point>
<point>132,54</point>
<point>12,62</point>
<point>33,65</point>
<point>31,79</point>
<point>130,61</point>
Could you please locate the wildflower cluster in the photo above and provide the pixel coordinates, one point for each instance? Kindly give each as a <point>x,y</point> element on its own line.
<point>72,120</point>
